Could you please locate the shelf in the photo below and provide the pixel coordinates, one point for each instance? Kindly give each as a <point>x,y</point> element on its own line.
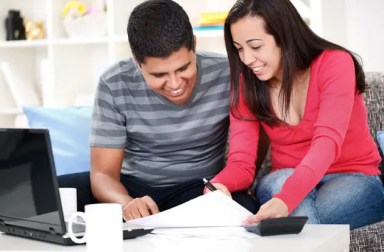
<point>73,41</point>
<point>44,43</point>
<point>10,111</point>
<point>23,43</point>
<point>209,31</point>
<point>63,71</point>
<point>199,31</point>
<point>119,38</point>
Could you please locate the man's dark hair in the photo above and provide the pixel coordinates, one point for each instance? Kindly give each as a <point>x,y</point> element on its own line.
<point>158,28</point>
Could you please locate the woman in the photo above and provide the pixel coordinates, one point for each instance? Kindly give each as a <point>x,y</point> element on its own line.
<point>307,94</point>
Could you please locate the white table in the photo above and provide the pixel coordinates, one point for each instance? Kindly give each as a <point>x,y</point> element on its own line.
<point>330,238</point>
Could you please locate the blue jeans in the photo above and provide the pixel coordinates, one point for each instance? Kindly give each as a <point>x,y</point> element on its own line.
<point>342,198</point>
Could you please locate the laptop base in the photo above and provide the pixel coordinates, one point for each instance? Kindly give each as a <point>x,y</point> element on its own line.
<point>36,235</point>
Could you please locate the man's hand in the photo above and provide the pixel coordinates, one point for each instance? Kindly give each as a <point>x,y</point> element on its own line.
<point>273,208</point>
<point>219,187</point>
<point>139,207</point>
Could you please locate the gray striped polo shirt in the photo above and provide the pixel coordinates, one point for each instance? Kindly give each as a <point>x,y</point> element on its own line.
<point>164,143</point>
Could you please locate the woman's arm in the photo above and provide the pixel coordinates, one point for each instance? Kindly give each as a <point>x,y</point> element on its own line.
<point>239,172</point>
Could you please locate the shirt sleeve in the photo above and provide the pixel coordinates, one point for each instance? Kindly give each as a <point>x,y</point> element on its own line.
<point>239,172</point>
<point>336,83</point>
<point>108,124</point>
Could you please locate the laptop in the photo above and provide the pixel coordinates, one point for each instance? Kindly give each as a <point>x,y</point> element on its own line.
<point>30,204</point>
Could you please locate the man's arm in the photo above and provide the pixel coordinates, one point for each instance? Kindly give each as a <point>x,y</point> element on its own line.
<point>105,175</point>
<point>106,186</point>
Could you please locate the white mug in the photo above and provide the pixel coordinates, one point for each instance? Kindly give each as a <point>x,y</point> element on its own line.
<point>103,227</point>
<point>68,198</point>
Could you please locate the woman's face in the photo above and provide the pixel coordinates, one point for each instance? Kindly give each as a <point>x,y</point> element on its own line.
<point>257,49</point>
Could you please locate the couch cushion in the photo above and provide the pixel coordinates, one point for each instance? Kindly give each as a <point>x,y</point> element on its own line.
<point>374,100</point>
<point>368,238</point>
<point>69,130</point>
<point>380,140</point>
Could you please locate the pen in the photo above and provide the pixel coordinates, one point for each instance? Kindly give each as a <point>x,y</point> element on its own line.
<point>209,185</point>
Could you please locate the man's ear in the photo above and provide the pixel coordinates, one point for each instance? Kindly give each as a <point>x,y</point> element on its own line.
<point>194,43</point>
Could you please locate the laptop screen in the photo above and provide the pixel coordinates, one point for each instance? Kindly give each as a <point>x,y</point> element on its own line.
<point>29,194</point>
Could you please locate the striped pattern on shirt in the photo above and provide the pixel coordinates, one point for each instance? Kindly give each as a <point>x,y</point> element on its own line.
<point>165,144</point>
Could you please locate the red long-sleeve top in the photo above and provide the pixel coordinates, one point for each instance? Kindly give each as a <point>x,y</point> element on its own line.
<point>332,137</point>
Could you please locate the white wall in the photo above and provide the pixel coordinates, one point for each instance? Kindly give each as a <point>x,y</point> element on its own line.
<point>333,18</point>
<point>357,25</point>
<point>365,31</point>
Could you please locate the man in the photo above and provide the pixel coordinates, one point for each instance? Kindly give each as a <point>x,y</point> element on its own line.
<point>160,119</point>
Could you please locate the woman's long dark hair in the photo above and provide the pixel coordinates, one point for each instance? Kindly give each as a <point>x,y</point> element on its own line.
<point>299,47</point>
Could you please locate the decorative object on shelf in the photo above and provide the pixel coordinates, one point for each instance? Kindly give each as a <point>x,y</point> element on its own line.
<point>213,18</point>
<point>85,21</point>
<point>14,26</point>
<point>34,30</point>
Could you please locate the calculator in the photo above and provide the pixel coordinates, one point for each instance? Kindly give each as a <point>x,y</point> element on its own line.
<point>278,226</point>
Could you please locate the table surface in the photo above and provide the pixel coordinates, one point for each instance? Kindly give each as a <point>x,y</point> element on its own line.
<point>312,238</point>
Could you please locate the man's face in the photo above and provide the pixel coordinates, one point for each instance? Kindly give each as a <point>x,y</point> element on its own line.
<point>173,77</point>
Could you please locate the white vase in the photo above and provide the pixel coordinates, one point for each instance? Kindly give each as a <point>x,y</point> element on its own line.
<point>88,26</point>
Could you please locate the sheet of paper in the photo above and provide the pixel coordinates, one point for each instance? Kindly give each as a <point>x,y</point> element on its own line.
<point>207,239</point>
<point>209,210</point>
<point>205,232</point>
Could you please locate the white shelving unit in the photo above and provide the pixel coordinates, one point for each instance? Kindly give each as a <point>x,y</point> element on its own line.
<point>60,71</point>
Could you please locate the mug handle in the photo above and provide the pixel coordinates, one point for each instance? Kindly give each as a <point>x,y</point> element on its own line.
<point>70,229</point>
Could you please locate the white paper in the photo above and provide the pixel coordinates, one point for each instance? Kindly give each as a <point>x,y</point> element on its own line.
<point>219,233</point>
<point>209,210</point>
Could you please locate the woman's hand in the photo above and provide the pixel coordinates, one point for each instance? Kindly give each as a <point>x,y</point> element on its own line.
<point>139,207</point>
<point>219,187</point>
<point>273,208</point>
